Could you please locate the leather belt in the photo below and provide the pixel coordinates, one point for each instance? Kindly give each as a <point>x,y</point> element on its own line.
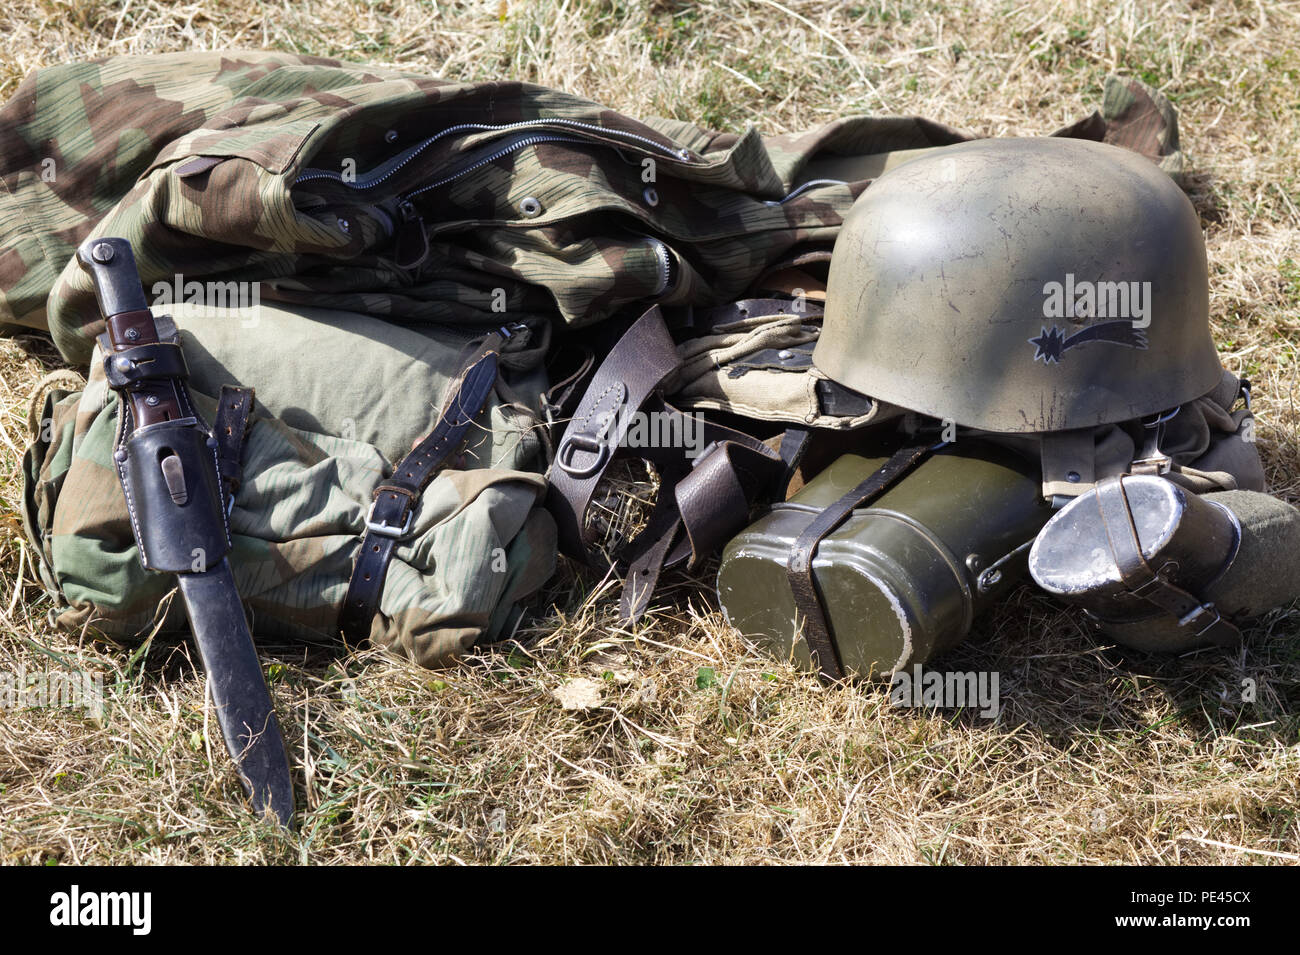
<point>394,502</point>
<point>626,379</point>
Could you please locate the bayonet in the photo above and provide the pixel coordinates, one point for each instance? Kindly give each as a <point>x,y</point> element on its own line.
<point>167,461</point>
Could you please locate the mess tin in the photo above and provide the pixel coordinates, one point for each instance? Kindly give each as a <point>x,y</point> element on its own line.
<point>903,578</point>
<point>1160,569</point>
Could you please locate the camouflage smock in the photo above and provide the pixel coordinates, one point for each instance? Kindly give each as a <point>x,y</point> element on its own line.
<point>424,200</point>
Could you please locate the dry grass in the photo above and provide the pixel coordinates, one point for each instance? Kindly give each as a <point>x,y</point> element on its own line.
<point>700,751</point>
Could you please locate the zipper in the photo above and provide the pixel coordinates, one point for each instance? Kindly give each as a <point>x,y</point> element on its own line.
<point>403,221</point>
<point>387,170</point>
<point>480,163</point>
<point>411,242</point>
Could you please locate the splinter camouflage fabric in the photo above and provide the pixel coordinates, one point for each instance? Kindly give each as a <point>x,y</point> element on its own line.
<point>326,182</point>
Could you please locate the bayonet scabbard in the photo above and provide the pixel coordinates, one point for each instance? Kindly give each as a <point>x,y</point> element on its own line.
<point>169,466</point>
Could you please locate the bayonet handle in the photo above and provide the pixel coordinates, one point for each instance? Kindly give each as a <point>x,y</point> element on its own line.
<point>111,266</point>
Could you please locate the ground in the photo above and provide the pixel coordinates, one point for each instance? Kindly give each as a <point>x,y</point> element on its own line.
<point>685,746</point>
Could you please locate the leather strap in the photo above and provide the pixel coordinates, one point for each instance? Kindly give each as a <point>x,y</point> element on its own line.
<point>1144,581</point>
<point>703,500</point>
<point>794,445</point>
<point>557,399</point>
<point>394,502</point>
<point>629,375</point>
<point>698,510</point>
<point>230,428</point>
<point>799,567</point>
<point>139,364</point>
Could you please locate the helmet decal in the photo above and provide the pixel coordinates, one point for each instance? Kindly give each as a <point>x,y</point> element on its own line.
<point>1052,343</point>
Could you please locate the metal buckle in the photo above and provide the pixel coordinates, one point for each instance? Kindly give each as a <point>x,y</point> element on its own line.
<point>1153,460</point>
<point>1196,613</point>
<point>1162,576</point>
<point>383,528</point>
<point>581,442</point>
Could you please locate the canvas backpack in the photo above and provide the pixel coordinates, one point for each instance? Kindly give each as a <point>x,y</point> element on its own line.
<point>340,397</point>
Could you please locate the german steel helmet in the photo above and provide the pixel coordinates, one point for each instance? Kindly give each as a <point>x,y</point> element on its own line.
<point>1022,285</point>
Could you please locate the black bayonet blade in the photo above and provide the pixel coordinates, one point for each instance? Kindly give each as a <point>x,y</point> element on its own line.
<point>239,690</point>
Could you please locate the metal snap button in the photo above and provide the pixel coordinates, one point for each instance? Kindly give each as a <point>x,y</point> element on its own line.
<point>390,136</point>
<point>530,207</point>
<point>345,226</point>
<point>1073,477</point>
<point>651,196</point>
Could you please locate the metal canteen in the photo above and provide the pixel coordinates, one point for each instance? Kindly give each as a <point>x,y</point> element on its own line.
<point>902,579</point>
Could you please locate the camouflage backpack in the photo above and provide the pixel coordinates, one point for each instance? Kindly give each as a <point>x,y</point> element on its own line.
<point>340,397</point>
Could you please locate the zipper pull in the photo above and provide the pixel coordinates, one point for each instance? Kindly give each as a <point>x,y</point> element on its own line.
<point>411,246</point>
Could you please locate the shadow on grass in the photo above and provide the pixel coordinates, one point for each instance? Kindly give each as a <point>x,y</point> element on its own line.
<point>1063,680</point>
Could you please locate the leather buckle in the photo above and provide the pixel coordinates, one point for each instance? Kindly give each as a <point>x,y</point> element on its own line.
<point>587,443</point>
